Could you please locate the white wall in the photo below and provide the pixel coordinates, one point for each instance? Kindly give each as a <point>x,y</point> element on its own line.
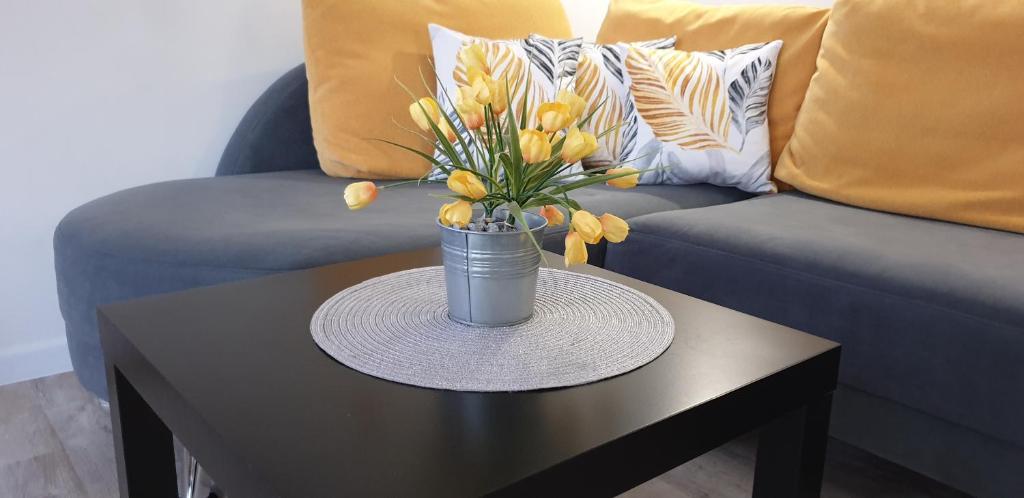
<point>100,95</point>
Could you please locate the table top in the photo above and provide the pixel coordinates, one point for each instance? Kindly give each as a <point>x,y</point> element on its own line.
<point>241,360</point>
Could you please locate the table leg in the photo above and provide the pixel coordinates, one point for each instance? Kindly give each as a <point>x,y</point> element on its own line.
<point>144,445</point>
<point>791,452</point>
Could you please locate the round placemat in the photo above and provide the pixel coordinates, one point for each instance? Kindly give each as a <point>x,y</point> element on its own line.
<point>584,329</point>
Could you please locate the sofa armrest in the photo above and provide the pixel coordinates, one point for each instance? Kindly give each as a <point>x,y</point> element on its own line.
<point>275,133</point>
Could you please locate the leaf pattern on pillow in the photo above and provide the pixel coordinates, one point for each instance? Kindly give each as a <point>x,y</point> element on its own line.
<point>593,86</point>
<point>600,75</point>
<point>681,96</point>
<point>504,62</point>
<point>748,96</point>
<point>554,59</point>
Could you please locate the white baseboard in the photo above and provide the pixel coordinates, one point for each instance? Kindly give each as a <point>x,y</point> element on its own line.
<point>34,360</point>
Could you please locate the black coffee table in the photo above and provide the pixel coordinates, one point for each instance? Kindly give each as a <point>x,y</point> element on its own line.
<point>233,371</point>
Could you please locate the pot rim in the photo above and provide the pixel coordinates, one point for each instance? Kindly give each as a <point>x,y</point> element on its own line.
<point>527,214</point>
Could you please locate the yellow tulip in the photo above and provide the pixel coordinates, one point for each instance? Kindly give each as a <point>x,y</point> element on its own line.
<point>615,229</point>
<point>457,214</point>
<point>466,184</point>
<point>554,116</point>
<point>473,57</point>
<point>360,194</point>
<point>430,112</point>
<point>469,109</point>
<point>576,103</point>
<point>499,97</point>
<point>483,86</point>
<point>553,215</point>
<point>578,144</point>
<point>449,133</point>
<point>575,249</point>
<point>628,181</point>
<point>588,226</point>
<point>535,146</point>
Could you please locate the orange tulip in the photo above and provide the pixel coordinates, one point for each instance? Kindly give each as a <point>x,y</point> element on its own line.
<point>553,215</point>
<point>575,249</point>
<point>628,181</point>
<point>615,229</point>
<point>360,194</point>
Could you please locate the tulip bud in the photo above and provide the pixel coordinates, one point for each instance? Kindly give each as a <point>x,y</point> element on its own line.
<point>360,194</point>
<point>457,214</point>
<point>483,86</point>
<point>615,229</point>
<point>553,215</point>
<point>499,98</point>
<point>628,181</point>
<point>469,109</point>
<point>448,132</point>
<point>575,249</point>
<point>425,111</point>
<point>577,145</point>
<point>466,184</point>
<point>472,56</point>
<point>554,116</point>
<point>535,146</point>
<point>576,103</point>
<point>588,226</point>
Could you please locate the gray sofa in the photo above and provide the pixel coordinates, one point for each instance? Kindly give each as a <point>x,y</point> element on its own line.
<point>930,314</point>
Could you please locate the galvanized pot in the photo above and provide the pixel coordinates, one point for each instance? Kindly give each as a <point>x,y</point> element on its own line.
<point>491,277</point>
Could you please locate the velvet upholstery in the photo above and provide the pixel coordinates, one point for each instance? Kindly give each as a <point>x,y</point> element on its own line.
<point>929,313</point>
<point>274,135</point>
<point>181,234</point>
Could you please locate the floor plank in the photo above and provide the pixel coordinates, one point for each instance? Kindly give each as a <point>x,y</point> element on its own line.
<point>55,441</point>
<point>46,475</point>
<point>33,461</point>
<point>83,427</point>
<point>24,431</point>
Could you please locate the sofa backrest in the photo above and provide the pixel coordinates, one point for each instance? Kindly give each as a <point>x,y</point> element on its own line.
<point>275,133</point>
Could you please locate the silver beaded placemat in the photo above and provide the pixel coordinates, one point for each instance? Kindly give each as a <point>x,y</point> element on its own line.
<point>584,329</point>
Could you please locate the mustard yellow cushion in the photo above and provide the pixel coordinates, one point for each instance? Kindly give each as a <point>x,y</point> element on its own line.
<point>356,49</point>
<point>917,108</point>
<point>706,28</point>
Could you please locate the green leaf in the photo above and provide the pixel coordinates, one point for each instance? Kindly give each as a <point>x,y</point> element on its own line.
<point>517,213</point>
<point>586,182</point>
<point>515,164</point>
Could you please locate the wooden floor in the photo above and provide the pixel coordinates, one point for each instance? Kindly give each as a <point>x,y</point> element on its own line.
<point>55,441</point>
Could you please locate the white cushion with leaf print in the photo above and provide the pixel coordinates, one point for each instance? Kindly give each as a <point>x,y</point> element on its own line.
<point>702,115</point>
<point>601,80</point>
<point>535,68</point>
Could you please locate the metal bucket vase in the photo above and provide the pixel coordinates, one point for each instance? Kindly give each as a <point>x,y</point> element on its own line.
<point>491,277</point>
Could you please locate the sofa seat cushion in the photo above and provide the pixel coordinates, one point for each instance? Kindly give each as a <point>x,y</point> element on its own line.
<point>930,314</point>
<point>181,234</point>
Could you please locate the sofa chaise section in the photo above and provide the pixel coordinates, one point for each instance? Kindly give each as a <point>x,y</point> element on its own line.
<point>252,220</point>
<point>929,314</point>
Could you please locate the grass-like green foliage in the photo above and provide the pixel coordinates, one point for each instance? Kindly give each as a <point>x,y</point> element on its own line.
<point>496,159</point>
